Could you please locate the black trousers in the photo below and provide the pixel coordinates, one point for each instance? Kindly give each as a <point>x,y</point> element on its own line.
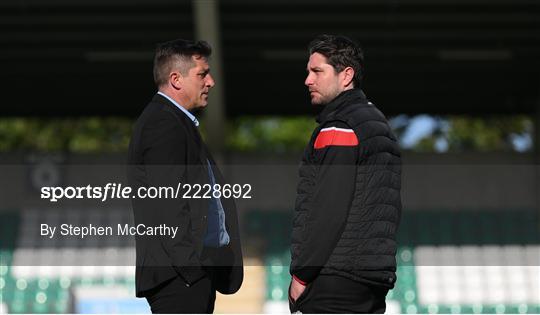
<point>335,295</point>
<point>173,296</point>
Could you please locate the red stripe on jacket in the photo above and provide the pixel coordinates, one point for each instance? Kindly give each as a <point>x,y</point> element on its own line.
<point>335,136</point>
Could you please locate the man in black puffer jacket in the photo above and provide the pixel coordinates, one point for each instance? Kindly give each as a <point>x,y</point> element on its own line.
<point>348,205</point>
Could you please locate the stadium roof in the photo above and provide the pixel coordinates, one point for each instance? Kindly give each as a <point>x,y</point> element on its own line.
<point>94,57</point>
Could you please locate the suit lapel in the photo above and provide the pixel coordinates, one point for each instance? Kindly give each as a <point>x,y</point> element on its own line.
<point>187,122</point>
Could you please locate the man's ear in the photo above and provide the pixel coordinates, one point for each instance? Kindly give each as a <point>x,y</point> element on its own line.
<point>176,80</point>
<point>348,76</point>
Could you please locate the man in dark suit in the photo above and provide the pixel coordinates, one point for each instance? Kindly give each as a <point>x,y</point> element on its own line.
<point>181,274</point>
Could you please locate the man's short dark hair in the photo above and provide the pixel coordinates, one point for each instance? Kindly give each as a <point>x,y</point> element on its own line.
<point>177,53</point>
<point>340,52</point>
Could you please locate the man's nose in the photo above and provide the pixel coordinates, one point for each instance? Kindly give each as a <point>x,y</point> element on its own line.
<point>210,81</point>
<point>308,81</point>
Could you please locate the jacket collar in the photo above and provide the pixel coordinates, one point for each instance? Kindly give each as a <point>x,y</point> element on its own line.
<point>160,99</point>
<point>353,96</point>
<point>165,100</point>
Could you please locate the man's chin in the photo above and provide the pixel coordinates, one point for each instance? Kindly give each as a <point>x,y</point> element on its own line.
<point>199,107</point>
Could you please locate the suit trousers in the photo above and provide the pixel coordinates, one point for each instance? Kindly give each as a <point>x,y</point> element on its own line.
<point>337,295</point>
<point>174,296</point>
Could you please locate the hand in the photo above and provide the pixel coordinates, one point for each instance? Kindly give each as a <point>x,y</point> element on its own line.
<point>296,289</point>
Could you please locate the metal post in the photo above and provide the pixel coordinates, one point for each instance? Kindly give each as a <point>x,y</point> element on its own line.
<point>206,17</point>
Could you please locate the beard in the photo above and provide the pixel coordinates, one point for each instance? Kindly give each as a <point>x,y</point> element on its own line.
<point>326,98</point>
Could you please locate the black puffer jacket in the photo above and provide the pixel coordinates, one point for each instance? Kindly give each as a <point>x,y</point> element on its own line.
<point>348,205</point>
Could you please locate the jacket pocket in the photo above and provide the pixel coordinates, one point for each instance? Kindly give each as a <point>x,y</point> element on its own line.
<point>301,297</point>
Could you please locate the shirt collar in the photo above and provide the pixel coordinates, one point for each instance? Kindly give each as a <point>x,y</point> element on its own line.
<point>190,115</point>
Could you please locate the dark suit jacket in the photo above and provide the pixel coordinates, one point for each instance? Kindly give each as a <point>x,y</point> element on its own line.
<point>165,149</point>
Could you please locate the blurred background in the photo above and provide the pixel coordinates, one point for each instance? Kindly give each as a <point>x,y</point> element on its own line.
<point>459,81</point>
